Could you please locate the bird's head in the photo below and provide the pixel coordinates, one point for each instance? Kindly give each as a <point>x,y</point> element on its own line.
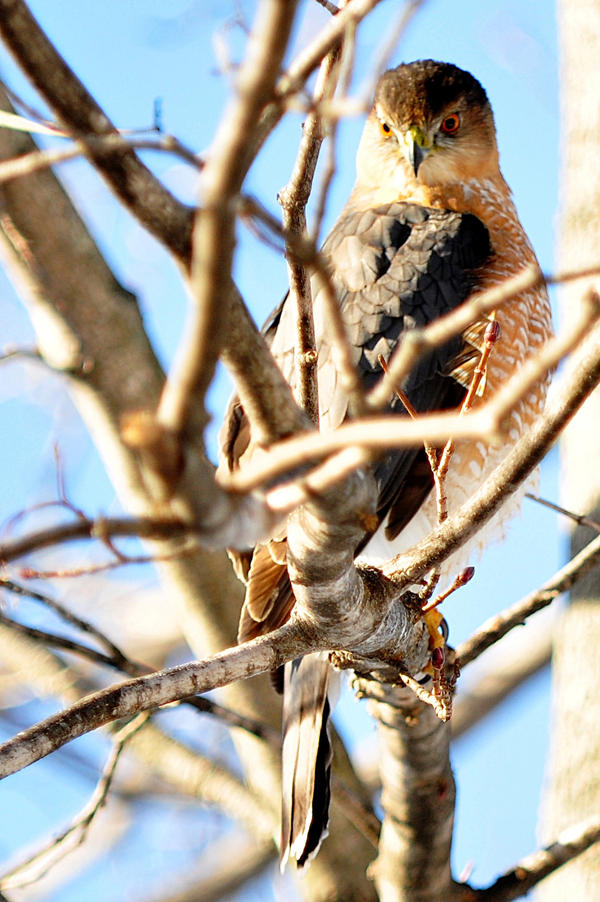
<point>431,124</point>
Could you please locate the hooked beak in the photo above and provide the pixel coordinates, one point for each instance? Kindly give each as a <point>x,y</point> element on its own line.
<point>417,148</point>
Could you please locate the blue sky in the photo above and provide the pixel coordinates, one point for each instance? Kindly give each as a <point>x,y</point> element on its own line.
<point>154,50</point>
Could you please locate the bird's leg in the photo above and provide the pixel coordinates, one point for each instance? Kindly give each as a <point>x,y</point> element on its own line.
<point>476,388</point>
<point>440,697</point>
<point>439,463</point>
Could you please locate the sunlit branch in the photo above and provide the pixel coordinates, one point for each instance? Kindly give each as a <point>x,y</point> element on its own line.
<point>116,660</point>
<point>146,693</point>
<point>225,168</point>
<point>41,862</point>
<point>535,867</point>
<point>395,432</point>
<point>496,627</point>
<point>42,159</point>
<point>293,199</point>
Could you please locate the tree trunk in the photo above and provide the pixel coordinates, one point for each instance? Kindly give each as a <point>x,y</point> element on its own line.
<point>573,791</point>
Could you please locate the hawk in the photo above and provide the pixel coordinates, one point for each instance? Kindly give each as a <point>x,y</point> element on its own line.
<point>430,220</point>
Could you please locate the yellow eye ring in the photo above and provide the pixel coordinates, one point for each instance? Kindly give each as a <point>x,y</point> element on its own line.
<point>386,130</point>
<point>451,124</point>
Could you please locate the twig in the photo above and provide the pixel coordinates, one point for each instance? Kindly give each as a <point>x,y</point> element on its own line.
<point>120,560</point>
<point>535,867</point>
<point>54,851</point>
<point>144,527</point>
<point>21,353</point>
<point>226,167</point>
<point>310,57</point>
<point>142,193</point>
<point>67,615</point>
<point>63,642</point>
<point>393,432</point>
<point>580,519</point>
<point>330,7</point>
<point>42,159</point>
<point>293,199</point>
<point>496,627</point>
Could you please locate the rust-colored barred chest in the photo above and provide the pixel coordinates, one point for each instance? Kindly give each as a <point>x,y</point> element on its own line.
<point>525,320</point>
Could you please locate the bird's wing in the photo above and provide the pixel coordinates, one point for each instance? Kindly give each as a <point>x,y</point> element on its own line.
<point>393,268</point>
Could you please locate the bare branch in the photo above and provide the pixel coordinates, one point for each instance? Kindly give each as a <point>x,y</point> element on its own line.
<point>310,57</point>
<point>166,218</point>
<point>293,199</point>
<point>21,354</point>
<point>580,519</point>
<point>146,693</point>
<point>41,862</point>
<point>379,434</point>
<point>42,159</point>
<point>225,169</point>
<point>496,627</point>
<point>67,615</point>
<point>110,527</point>
<point>535,867</point>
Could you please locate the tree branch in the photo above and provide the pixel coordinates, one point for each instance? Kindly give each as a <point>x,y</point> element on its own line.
<point>496,627</point>
<point>535,867</point>
<point>381,434</point>
<point>505,479</point>
<point>146,693</point>
<point>213,242</point>
<point>418,799</point>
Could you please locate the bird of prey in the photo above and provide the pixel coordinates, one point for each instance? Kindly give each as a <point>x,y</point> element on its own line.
<point>429,221</point>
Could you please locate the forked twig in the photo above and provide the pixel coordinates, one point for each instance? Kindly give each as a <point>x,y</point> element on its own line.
<point>56,849</point>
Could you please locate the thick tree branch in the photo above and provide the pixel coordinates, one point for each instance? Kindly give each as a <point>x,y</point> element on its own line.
<point>146,693</point>
<point>418,799</point>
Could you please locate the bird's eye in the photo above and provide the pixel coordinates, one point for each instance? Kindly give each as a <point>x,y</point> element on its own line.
<point>451,124</point>
<point>386,130</point>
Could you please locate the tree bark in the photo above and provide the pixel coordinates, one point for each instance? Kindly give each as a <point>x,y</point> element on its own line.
<point>573,787</point>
